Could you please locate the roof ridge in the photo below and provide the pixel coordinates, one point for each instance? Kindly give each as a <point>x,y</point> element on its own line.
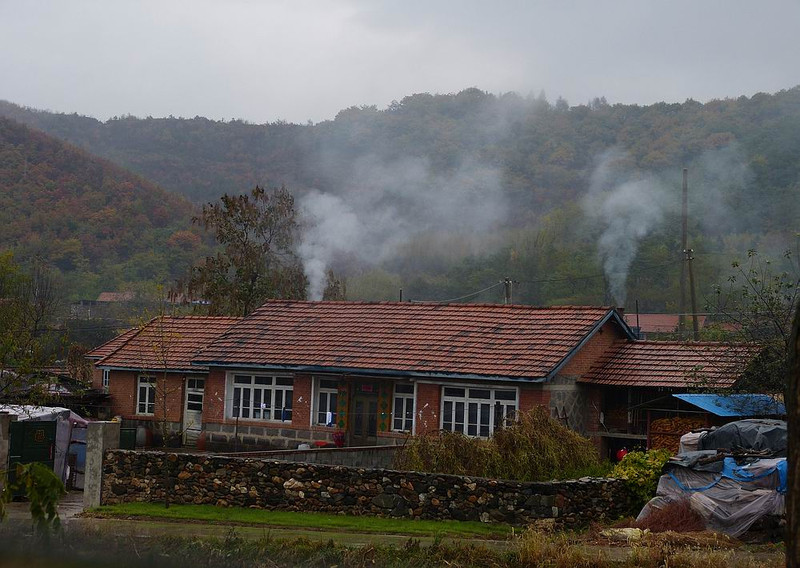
<point>138,329</point>
<point>435,303</point>
<point>194,316</point>
<point>691,343</point>
<point>130,329</point>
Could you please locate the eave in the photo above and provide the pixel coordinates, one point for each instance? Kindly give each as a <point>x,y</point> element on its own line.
<point>388,373</point>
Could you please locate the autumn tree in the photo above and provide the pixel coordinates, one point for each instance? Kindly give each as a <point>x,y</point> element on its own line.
<point>257,234</point>
<point>759,303</point>
<point>335,288</point>
<point>28,300</point>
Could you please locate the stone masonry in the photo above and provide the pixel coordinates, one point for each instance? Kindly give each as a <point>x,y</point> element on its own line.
<point>256,483</point>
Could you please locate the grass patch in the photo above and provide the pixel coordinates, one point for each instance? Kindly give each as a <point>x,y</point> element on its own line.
<point>318,521</point>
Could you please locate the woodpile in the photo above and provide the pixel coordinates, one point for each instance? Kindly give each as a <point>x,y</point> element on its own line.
<point>665,433</point>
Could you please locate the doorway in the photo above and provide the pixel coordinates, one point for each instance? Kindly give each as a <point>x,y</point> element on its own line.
<point>193,410</point>
<point>364,416</point>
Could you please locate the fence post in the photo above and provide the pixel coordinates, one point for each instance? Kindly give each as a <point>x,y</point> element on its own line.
<point>100,436</point>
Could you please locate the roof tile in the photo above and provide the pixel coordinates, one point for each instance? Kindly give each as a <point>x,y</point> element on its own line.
<point>169,342</point>
<point>671,364</point>
<point>482,339</point>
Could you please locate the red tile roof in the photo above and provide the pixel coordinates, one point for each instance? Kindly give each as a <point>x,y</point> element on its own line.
<point>660,323</point>
<point>671,364</point>
<point>109,347</point>
<point>420,338</point>
<point>167,343</point>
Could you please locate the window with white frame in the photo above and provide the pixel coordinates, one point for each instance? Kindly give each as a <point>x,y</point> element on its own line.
<point>403,415</point>
<point>194,394</point>
<point>146,396</point>
<point>476,411</point>
<point>326,401</point>
<point>106,373</point>
<point>261,397</point>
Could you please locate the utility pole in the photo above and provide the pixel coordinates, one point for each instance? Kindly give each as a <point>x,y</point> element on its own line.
<point>695,327</point>
<point>684,248</point>
<point>507,284</point>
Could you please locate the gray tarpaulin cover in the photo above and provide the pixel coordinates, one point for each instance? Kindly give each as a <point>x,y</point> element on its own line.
<point>755,434</point>
<point>730,496</point>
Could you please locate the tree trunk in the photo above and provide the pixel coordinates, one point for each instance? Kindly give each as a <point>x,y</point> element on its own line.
<point>793,411</point>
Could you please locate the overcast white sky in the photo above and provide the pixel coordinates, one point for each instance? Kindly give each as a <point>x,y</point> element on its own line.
<point>300,60</point>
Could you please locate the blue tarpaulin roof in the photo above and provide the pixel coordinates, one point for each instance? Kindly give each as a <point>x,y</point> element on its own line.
<point>735,404</point>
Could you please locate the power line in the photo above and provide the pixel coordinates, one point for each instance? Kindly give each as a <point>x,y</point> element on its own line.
<point>598,275</point>
<point>495,285</point>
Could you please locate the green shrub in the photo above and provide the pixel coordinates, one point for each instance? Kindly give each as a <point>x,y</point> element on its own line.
<point>641,470</point>
<point>535,447</point>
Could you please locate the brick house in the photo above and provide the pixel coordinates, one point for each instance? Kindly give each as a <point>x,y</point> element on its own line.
<point>636,382</point>
<point>376,372</point>
<point>149,375</point>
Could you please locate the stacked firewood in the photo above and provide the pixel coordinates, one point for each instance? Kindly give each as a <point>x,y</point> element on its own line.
<point>665,433</point>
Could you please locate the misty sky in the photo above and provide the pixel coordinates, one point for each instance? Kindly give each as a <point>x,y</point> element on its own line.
<point>300,60</point>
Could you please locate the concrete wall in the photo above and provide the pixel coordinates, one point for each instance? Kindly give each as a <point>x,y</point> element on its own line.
<point>370,457</point>
<point>262,484</point>
<point>100,437</point>
<point>264,436</point>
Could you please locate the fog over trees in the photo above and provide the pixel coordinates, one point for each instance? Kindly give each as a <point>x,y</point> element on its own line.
<point>445,195</point>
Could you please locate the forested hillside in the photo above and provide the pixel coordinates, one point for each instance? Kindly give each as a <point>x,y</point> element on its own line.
<point>446,194</point>
<point>546,151</point>
<point>97,224</point>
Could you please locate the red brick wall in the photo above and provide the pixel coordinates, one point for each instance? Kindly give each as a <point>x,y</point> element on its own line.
<point>97,377</point>
<point>214,401</point>
<point>122,388</point>
<point>301,405</point>
<point>173,390</point>
<point>597,345</point>
<point>214,406</point>
<point>532,396</point>
<point>427,408</point>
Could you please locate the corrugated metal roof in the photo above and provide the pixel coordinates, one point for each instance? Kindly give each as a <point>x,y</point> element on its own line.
<point>735,404</point>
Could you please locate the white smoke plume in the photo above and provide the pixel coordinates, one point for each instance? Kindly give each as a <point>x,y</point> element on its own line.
<point>628,206</point>
<point>331,226</point>
<point>386,204</point>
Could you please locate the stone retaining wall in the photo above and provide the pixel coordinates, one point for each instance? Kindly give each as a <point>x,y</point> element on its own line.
<point>256,483</point>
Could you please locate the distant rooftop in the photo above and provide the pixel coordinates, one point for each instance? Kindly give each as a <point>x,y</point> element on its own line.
<point>116,297</point>
<point>660,323</point>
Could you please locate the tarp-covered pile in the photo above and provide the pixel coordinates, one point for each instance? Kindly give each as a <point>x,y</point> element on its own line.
<point>734,480</point>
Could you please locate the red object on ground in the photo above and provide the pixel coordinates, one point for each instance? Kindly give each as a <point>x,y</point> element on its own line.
<point>320,443</point>
<point>621,454</point>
